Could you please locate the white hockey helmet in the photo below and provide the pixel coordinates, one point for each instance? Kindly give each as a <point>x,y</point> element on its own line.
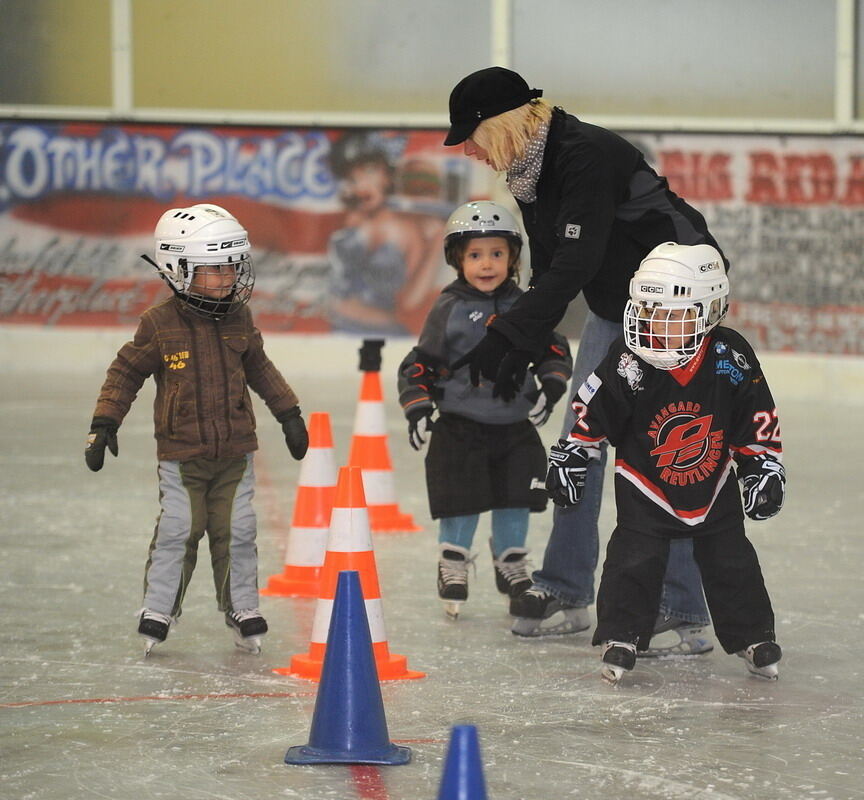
<point>678,294</point>
<point>480,218</point>
<point>204,235</point>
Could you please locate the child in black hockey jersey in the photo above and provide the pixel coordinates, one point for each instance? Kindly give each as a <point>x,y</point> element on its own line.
<point>484,453</point>
<point>681,400</point>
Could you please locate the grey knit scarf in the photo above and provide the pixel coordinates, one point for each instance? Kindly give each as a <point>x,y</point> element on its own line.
<point>524,172</point>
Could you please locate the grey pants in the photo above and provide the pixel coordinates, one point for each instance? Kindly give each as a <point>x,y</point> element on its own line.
<point>197,496</point>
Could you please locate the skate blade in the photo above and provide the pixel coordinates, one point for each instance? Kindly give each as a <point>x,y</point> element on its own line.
<point>559,624</point>
<point>680,642</point>
<point>452,608</point>
<point>612,674</point>
<point>149,644</point>
<point>768,673</point>
<point>248,644</point>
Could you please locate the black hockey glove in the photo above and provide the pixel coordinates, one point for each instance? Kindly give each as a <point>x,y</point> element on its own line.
<point>296,435</point>
<point>419,421</point>
<point>549,395</point>
<point>103,433</point>
<point>763,482</point>
<point>568,466</point>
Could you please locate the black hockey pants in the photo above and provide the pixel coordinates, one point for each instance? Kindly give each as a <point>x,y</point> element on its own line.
<point>629,596</point>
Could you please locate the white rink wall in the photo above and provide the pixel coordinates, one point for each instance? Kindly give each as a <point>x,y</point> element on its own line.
<point>28,349</point>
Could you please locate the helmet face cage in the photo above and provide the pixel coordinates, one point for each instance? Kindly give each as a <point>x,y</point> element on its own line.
<point>663,336</point>
<point>211,295</point>
<point>194,249</point>
<point>677,296</point>
<point>480,218</point>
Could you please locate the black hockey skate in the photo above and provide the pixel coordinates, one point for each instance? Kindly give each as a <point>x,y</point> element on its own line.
<point>539,613</point>
<point>154,626</point>
<point>453,577</point>
<point>512,571</point>
<point>248,627</point>
<point>762,659</point>
<point>618,658</point>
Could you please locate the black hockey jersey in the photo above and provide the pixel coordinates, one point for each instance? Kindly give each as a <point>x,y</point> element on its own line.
<point>678,432</point>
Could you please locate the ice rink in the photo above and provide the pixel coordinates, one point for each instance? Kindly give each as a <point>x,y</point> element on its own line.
<point>84,715</point>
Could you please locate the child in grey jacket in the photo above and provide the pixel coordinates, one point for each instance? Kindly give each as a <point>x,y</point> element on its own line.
<point>484,452</point>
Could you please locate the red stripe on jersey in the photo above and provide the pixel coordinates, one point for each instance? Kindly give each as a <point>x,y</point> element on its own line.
<point>685,374</point>
<point>757,449</point>
<point>658,497</point>
<point>587,440</point>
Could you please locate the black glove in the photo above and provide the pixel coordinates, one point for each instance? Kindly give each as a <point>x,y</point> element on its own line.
<point>496,360</point>
<point>370,355</point>
<point>296,435</point>
<point>549,395</point>
<point>103,433</point>
<point>568,465</point>
<point>419,420</point>
<point>486,357</point>
<point>511,375</point>
<point>763,487</point>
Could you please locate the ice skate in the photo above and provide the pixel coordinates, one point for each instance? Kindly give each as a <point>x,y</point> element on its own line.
<point>453,577</point>
<point>512,571</point>
<point>675,637</point>
<point>248,626</point>
<point>762,659</point>
<point>154,627</point>
<point>618,658</point>
<point>539,613</point>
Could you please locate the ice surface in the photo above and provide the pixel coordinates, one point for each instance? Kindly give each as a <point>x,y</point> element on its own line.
<point>84,715</point>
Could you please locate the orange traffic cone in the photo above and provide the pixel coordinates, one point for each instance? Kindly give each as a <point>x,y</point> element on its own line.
<point>349,547</point>
<point>370,452</point>
<point>307,540</point>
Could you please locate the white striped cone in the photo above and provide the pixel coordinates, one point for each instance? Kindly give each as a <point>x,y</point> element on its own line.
<point>370,452</point>
<point>306,544</point>
<point>349,547</point>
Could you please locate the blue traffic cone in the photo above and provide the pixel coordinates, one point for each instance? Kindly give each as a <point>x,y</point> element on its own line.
<point>463,770</point>
<point>348,725</point>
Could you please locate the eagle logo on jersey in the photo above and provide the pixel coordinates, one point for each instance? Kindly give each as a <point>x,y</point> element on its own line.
<point>685,450</point>
<point>629,368</point>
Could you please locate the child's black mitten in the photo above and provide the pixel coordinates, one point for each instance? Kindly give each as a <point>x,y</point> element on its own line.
<point>296,435</point>
<point>103,433</point>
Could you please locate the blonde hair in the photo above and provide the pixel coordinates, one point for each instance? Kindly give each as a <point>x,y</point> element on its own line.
<point>505,136</point>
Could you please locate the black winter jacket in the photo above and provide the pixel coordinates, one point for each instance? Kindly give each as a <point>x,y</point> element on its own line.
<point>600,209</point>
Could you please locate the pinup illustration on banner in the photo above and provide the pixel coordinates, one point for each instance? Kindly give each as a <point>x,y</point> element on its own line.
<point>386,260</point>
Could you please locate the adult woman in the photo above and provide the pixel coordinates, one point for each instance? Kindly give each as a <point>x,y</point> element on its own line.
<point>593,209</point>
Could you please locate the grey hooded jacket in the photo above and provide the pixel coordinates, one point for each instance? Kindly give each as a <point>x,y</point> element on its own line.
<point>456,323</point>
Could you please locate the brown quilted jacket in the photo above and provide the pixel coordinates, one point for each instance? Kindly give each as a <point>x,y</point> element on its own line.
<point>203,370</point>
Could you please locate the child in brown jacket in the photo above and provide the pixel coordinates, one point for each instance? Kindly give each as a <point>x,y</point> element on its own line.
<point>204,352</point>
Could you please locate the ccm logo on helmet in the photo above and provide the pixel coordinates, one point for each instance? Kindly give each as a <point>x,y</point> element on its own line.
<point>709,266</point>
<point>651,289</point>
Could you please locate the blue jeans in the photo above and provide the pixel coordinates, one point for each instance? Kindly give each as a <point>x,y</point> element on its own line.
<point>509,529</point>
<point>571,553</point>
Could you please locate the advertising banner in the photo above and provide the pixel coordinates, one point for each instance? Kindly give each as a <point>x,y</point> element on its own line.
<point>346,224</point>
<point>788,212</point>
